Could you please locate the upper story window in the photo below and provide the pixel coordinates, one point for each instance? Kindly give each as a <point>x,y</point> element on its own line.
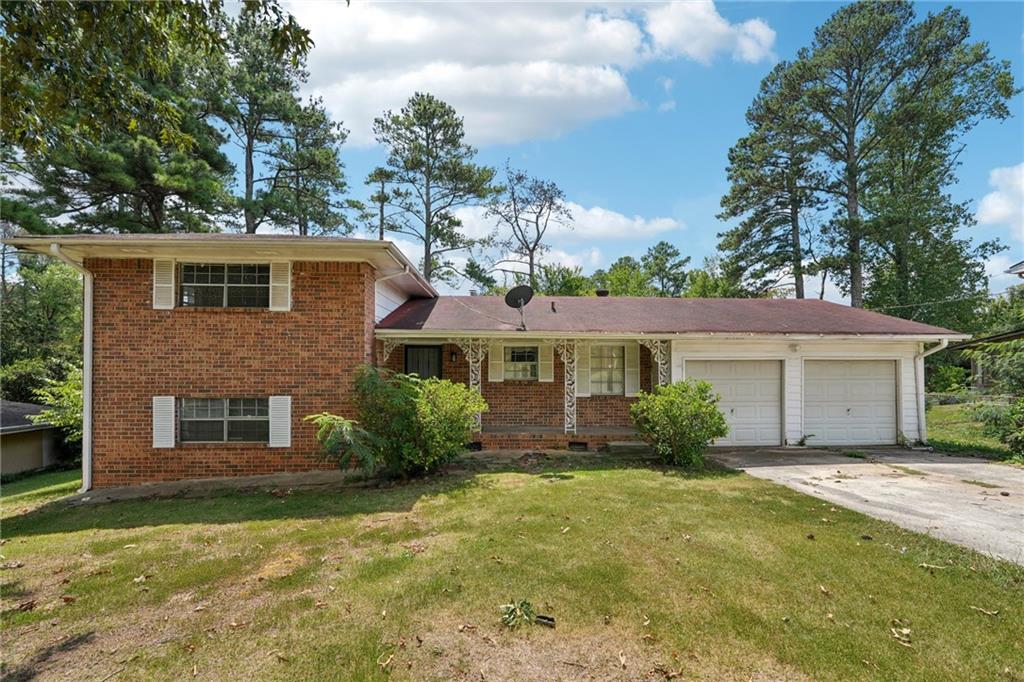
<point>240,285</point>
<point>521,363</point>
<point>205,420</point>
<point>607,370</point>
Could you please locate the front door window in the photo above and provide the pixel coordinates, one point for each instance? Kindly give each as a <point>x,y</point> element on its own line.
<point>424,361</point>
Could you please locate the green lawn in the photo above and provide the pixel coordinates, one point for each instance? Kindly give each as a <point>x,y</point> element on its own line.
<point>952,429</point>
<point>27,493</point>
<point>648,572</point>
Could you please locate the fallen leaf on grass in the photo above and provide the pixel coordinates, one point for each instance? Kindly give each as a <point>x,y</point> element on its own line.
<point>129,546</point>
<point>68,598</point>
<point>824,590</point>
<point>27,605</point>
<point>622,660</point>
<point>142,578</point>
<point>565,530</point>
<point>386,663</point>
<point>7,565</point>
<point>985,611</point>
<point>466,626</point>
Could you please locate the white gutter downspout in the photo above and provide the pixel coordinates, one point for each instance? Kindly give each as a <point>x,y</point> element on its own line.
<point>922,428</point>
<point>86,366</point>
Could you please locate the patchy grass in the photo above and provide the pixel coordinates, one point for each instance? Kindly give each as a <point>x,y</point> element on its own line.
<point>951,428</point>
<point>648,571</point>
<point>907,470</point>
<point>33,491</point>
<point>981,484</point>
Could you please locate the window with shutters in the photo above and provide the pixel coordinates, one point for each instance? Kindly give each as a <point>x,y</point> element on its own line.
<point>607,370</point>
<point>217,420</point>
<point>521,363</point>
<point>237,285</point>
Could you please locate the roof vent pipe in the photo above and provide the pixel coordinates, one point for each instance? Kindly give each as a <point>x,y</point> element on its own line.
<point>602,293</point>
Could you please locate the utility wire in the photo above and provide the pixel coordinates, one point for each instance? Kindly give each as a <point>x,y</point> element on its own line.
<point>944,300</point>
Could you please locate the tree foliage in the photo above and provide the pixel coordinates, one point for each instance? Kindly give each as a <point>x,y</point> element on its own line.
<point>63,55</point>
<point>666,269</point>
<point>432,174</point>
<point>773,185</point>
<point>562,280</point>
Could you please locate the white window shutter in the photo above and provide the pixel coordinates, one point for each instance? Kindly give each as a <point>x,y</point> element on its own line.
<point>280,410</point>
<point>496,362</point>
<point>281,286</point>
<point>582,370</point>
<point>163,284</point>
<point>632,368</point>
<point>163,421</point>
<point>546,362</point>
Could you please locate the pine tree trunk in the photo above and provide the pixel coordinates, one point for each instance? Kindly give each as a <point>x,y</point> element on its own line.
<point>794,235</point>
<point>853,244</point>
<point>250,175</point>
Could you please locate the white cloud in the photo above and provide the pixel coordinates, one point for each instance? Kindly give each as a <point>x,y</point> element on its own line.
<point>600,223</point>
<point>1005,206</point>
<point>696,30</point>
<point>588,224</point>
<point>667,105</point>
<point>666,83</point>
<point>514,72</point>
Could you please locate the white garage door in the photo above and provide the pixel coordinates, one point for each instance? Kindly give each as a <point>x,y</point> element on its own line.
<point>850,402</point>
<point>751,393</point>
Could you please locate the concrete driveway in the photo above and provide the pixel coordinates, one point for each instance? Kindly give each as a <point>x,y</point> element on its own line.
<point>972,502</point>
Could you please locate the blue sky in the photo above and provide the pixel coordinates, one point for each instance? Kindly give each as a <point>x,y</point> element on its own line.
<point>630,108</point>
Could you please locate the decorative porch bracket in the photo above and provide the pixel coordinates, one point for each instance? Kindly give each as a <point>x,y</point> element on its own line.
<point>389,345</point>
<point>662,355</point>
<point>567,352</point>
<point>475,350</point>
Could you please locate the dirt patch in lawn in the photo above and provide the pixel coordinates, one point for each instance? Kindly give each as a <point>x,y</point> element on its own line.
<point>452,651</point>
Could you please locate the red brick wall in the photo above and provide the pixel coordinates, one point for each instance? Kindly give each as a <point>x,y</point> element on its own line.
<point>533,403</point>
<point>310,353</point>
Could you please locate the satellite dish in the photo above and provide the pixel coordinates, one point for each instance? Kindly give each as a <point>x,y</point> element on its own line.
<point>518,297</point>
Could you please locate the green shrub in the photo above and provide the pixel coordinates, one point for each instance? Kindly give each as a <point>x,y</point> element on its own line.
<point>948,379</point>
<point>1013,435</point>
<point>680,421</point>
<point>406,426</point>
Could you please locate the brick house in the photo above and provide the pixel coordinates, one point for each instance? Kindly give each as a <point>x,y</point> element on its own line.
<point>203,353</point>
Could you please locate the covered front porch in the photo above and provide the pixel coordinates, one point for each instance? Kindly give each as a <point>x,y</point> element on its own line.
<point>542,392</point>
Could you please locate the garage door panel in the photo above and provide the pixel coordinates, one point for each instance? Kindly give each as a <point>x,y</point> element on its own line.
<point>751,398</point>
<point>850,402</point>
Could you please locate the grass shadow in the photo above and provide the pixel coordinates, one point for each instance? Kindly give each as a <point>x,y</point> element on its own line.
<point>32,667</point>
<point>228,506</point>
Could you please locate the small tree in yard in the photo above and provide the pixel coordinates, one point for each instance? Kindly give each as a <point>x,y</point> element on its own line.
<point>406,426</point>
<point>680,421</point>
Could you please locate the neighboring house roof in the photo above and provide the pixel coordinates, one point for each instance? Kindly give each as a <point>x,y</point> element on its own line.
<point>383,255</point>
<point>14,417</point>
<point>1001,337</point>
<point>1016,269</point>
<point>628,315</point>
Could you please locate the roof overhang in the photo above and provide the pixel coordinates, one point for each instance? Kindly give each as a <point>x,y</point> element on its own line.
<point>24,428</point>
<point>384,256</point>
<point>747,336</point>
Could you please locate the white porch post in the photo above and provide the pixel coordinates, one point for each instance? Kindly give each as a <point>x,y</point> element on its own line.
<point>567,352</point>
<point>662,355</point>
<point>475,350</point>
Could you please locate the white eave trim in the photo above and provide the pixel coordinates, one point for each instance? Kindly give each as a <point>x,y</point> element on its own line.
<point>748,336</point>
<point>384,256</point>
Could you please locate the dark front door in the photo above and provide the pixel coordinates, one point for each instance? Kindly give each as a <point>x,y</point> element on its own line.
<point>423,360</point>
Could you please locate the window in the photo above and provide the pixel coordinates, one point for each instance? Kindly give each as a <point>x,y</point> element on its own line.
<point>225,286</point>
<point>607,370</point>
<point>521,363</point>
<point>205,420</point>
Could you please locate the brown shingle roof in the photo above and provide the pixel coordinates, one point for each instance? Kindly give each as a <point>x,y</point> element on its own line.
<point>649,316</point>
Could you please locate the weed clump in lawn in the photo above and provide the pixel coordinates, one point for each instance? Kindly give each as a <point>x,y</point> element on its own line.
<point>517,613</point>
<point>680,421</point>
<point>406,426</point>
